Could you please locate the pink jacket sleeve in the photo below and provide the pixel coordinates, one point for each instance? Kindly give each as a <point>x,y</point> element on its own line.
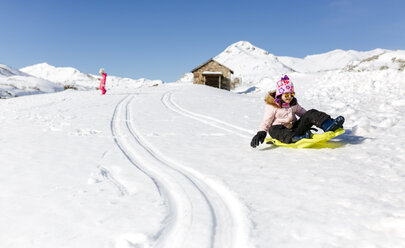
<point>268,118</point>
<point>300,111</point>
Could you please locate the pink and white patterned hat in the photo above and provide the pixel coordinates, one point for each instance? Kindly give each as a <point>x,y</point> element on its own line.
<point>284,86</point>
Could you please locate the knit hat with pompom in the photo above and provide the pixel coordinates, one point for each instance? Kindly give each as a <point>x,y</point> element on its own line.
<point>284,86</point>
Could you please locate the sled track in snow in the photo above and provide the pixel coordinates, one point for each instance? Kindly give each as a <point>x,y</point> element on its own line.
<point>200,211</point>
<point>168,101</point>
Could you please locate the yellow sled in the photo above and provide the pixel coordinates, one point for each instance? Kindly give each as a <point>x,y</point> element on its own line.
<point>305,143</point>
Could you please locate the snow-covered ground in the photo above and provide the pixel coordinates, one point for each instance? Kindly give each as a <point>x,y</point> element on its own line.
<point>45,78</point>
<point>171,166</point>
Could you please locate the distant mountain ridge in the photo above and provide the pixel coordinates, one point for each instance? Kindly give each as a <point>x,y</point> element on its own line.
<point>256,65</point>
<point>57,74</point>
<point>14,83</point>
<point>45,78</point>
<point>72,76</point>
<point>333,60</point>
<point>7,71</point>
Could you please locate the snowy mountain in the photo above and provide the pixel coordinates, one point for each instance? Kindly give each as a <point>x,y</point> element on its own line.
<point>186,78</point>
<point>62,75</point>
<point>45,78</point>
<point>17,83</point>
<point>73,77</point>
<point>253,65</point>
<point>381,61</point>
<point>6,71</point>
<point>334,60</point>
<point>258,68</point>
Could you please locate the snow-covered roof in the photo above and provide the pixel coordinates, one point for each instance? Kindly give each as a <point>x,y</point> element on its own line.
<point>198,67</point>
<point>212,73</point>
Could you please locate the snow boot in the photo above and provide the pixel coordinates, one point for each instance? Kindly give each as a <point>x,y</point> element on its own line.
<point>306,135</point>
<point>333,124</point>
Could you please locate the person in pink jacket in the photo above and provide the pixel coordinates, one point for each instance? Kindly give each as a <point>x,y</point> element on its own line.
<point>103,79</point>
<point>280,117</point>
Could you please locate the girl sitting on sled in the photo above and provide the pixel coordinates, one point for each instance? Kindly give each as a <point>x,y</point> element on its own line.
<point>280,120</point>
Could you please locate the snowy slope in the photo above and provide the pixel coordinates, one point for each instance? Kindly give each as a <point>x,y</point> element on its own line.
<point>73,77</point>
<point>56,74</point>
<point>6,71</point>
<point>387,60</point>
<point>17,83</point>
<point>153,167</point>
<point>258,68</point>
<point>334,60</point>
<point>171,166</point>
<point>253,65</point>
<point>44,78</point>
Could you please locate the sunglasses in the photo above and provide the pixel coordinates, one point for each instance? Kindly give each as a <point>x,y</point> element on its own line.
<point>289,94</point>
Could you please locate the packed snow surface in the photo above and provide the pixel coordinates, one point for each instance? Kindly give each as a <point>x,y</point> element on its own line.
<point>170,165</point>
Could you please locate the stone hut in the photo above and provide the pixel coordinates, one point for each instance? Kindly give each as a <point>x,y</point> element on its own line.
<point>214,74</point>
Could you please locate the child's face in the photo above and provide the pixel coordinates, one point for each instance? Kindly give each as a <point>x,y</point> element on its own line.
<point>287,97</point>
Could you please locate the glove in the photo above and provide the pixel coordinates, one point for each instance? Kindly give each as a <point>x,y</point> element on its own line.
<point>259,137</point>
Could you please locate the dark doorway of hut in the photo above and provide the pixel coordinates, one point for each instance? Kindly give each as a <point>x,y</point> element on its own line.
<point>213,81</point>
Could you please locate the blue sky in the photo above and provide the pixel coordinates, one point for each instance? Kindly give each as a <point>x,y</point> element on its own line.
<point>165,39</point>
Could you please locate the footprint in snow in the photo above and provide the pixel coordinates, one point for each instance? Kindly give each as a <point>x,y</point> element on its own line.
<point>132,240</point>
<point>85,132</point>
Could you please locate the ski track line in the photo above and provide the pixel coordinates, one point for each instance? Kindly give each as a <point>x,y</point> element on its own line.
<point>196,229</point>
<point>199,210</point>
<point>174,228</point>
<point>126,154</point>
<point>222,217</point>
<point>237,210</point>
<point>168,101</point>
<point>229,226</point>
